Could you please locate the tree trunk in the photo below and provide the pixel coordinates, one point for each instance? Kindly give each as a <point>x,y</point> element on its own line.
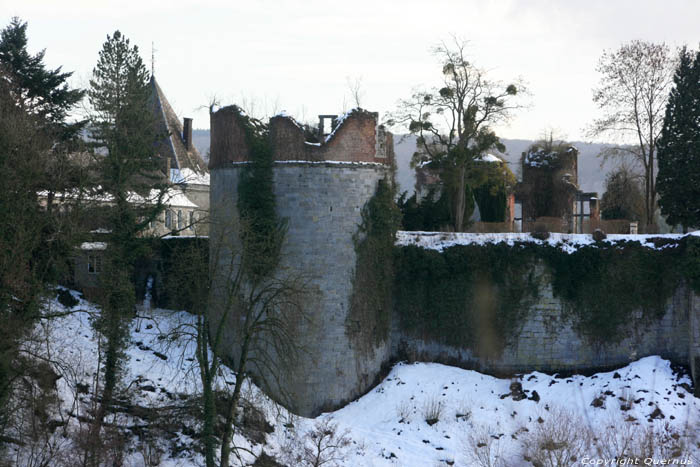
<point>233,406</point>
<point>461,200</point>
<point>652,190</point>
<point>230,421</point>
<point>207,374</point>
<point>209,422</point>
<point>110,368</point>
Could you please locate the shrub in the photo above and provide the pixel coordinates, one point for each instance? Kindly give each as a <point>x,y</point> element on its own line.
<point>484,449</point>
<point>66,299</point>
<point>561,440</point>
<point>432,411</point>
<point>599,235</point>
<point>540,231</point>
<point>404,411</point>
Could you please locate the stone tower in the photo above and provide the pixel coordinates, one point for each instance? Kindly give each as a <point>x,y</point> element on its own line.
<point>320,189</point>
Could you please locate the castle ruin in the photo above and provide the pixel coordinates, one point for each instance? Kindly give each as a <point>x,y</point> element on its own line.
<point>320,190</point>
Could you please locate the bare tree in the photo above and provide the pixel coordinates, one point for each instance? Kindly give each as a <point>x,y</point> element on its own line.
<point>454,122</point>
<point>265,311</point>
<point>356,91</point>
<point>323,445</point>
<point>632,95</point>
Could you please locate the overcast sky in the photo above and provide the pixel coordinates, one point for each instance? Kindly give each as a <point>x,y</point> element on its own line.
<point>298,56</point>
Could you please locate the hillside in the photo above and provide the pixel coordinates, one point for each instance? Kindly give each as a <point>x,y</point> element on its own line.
<point>421,414</point>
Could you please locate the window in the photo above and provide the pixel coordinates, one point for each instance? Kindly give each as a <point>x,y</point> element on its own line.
<point>191,219</point>
<point>168,218</point>
<point>179,220</point>
<point>94,264</point>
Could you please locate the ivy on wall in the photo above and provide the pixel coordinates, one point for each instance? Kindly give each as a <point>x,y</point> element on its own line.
<point>467,296</point>
<point>478,296</point>
<point>608,287</point>
<point>369,317</point>
<point>261,230</point>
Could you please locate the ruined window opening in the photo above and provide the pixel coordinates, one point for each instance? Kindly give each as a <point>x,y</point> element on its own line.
<point>168,218</point>
<point>326,124</point>
<point>179,219</point>
<point>94,264</point>
<point>518,217</point>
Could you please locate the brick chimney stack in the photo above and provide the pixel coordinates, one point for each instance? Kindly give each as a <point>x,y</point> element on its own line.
<point>187,133</point>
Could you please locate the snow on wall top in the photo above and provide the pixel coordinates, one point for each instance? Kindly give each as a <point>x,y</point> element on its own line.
<point>488,158</point>
<point>541,158</point>
<point>324,162</point>
<point>567,242</point>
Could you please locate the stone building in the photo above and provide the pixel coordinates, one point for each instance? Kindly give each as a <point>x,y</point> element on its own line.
<point>320,189</point>
<point>184,166</point>
<point>549,191</point>
<point>186,202</point>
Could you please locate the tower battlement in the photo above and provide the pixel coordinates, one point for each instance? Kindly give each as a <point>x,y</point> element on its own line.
<point>356,136</point>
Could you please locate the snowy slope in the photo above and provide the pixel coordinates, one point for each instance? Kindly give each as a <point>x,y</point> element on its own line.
<point>473,402</point>
<point>471,414</point>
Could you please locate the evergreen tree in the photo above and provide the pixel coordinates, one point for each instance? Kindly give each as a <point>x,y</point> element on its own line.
<point>124,132</point>
<point>35,243</point>
<point>123,129</point>
<point>678,179</point>
<point>36,89</point>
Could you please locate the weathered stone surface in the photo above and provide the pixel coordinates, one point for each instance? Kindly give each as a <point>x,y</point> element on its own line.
<point>322,204</point>
<point>548,340</point>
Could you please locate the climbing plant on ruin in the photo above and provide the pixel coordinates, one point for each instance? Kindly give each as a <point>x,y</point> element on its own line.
<point>371,301</point>
<point>263,232</point>
<point>467,295</point>
<point>466,292</point>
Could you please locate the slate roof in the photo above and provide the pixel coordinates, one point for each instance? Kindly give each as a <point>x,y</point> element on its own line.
<point>174,146</point>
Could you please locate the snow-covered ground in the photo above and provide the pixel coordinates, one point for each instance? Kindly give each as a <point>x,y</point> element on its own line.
<point>422,414</point>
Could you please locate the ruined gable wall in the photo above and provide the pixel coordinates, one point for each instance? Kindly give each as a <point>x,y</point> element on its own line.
<point>357,139</point>
<point>228,140</point>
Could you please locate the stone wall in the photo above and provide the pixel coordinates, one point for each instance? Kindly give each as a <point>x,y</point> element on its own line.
<point>694,336</point>
<point>322,204</point>
<point>548,341</point>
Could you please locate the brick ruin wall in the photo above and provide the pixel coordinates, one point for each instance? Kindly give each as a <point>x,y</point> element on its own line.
<point>358,138</point>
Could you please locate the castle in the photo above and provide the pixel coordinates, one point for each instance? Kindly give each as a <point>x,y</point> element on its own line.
<point>320,189</point>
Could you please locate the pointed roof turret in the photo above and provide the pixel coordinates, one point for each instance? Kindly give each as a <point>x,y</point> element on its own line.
<point>178,147</point>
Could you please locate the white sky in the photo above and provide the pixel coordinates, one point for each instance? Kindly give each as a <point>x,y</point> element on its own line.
<point>297,56</point>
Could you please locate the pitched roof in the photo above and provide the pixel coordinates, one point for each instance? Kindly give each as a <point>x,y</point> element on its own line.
<point>174,146</point>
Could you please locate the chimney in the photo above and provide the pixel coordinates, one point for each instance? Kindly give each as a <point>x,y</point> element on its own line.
<point>187,133</point>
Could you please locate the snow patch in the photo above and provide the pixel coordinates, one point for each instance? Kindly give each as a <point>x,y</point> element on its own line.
<point>567,242</point>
